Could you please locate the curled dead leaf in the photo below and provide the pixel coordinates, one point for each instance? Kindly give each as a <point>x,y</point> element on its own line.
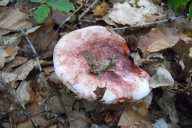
<point>135,115</point>
<point>101,9</point>
<point>160,39</point>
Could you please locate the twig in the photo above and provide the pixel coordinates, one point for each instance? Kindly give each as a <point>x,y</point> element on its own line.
<point>152,23</point>
<point>67,19</point>
<point>47,96</point>
<point>22,105</point>
<point>87,21</point>
<point>87,10</point>
<point>23,34</point>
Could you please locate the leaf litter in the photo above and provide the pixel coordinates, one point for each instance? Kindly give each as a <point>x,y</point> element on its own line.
<point>40,98</point>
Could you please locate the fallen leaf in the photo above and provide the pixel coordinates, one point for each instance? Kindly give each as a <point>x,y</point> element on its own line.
<point>48,70</point>
<point>99,92</point>
<point>190,53</point>
<point>139,62</point>
<point>161,78</point>
<point>160,39</point>
<point>8,77</point>
<point>160,123</point>
<point>23,70</point>
<point>35,102</point>
<point>148,99</point>
<point>6,125</point>
<point>4,2</point>
<point>167,104</point>
<point>16,62</point>
<point>61,104</point>
<point>40,38</point>
<point>135,115</point>
<point>19,119</point>
<point>107,20</point>
<point>101,9</point>
<point>58,16</point>
<point>13,19</point>
<point>133,13</point>
<point>76,121</point>
<point>31,30</point>
<point>24,91</point>
<point>182,51</point>
<point>171,66</point>
<point>53,78</point>
<point>89,106</point>
<point>7,55</point>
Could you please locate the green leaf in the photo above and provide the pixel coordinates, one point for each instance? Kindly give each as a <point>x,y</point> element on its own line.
<point>41,12</point>
<point>190,10</point>
<point>176,3</point>
<point>61,5</point>
<point>39,1</point>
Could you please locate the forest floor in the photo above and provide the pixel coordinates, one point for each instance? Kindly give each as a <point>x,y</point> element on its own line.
<point>32,96</point>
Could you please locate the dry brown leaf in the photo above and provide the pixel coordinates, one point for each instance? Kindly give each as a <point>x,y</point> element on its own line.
<point>99,92</point>
<point>6,125</point>
<point>135,115</point>
<point>25,6</point>
<point>148,99</point>
<point>132,13</point>
<point>7,55</point>
<point>19,119</point>
<point>34,102</point>
<point>53,78</point>
<point>161,78</point>
<point>16,62</point>
<point>76,121</point>
<point>38,120</point>
<point>160,39</point>
<point>48,70</point>
<point>10,50</point>
<point>101,9</point>
<point>182,51</point>
<point>4,2</point>
<point>31,30</point>
<point>43,81</point>
<point>13,19</point>
<point>24,91</point>
<point>107,20</point>
<point>23,70</point>
<point>190,53</point>
<point>138,61</point>
<point>40,38</point>
<point>8,77</point>
<point>58,16</point>
<point>167,104</point>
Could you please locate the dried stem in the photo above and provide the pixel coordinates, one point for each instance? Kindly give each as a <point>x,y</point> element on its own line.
<point>47,96</point>
<point>21,102</point>
<point>149,24</point>
<point>31,45</point>
<point>87,10</point>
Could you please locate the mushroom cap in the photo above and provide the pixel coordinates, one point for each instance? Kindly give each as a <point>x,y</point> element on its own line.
<point>72,68</point>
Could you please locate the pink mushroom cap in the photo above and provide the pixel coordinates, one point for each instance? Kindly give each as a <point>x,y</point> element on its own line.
<point>71,67</point>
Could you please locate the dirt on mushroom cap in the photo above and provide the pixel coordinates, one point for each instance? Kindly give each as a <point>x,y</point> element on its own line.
<point>72,68</point>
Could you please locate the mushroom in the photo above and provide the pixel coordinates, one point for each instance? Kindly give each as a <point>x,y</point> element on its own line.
<point>96,58</point>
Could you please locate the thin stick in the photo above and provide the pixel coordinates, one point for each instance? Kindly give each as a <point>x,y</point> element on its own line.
<point>31,45</point>
<point>22,105</point>
<point>148,24</point>
<point>87,10</point>
<point>47,96</point>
